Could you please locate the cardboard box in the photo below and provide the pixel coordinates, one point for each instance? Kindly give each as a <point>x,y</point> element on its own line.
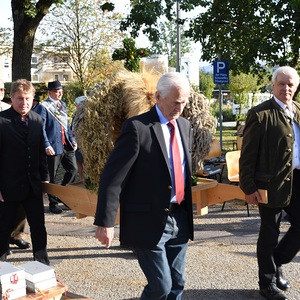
<point>37,272</point>
<point>39,276</point>
<point>12,281</point>
<point>41,285</point>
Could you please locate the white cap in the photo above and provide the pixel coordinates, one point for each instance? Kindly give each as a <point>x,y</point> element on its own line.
<point>80,99</point>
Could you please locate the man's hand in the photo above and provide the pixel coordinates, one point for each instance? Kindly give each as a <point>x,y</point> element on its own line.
<point>253,198</point>
<point>1,197</point>
<point>105,235</point>
<point>49,151</point>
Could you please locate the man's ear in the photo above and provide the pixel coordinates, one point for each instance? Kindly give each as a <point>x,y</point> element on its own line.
<point>157,96</point>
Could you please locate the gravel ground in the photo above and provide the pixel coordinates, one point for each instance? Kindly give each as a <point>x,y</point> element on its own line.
<point>221,262</point>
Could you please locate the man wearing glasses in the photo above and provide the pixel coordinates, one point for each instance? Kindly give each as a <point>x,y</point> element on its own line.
<point>60,144</point>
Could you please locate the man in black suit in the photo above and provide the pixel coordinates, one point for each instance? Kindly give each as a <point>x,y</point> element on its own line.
<point>16,236</point>
<point>60,144</point>
<point>140,175</point>
<point>23,167</point>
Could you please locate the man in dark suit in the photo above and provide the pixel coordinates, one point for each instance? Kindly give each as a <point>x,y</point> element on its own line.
<point>140,174</point>
<point>270,160</point>
<point>16,236</point>
<point>60,144</point>
<point>23,167</point>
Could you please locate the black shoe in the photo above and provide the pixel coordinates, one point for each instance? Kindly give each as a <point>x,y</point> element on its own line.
<point>20,243</point>
<point>271,292</point>
<point>55,209</point>
<point>281,282</point>
<point>42,257</point>
<point>3,257</point>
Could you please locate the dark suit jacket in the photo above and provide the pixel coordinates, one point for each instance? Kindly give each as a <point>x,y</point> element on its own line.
<point>52,129</point>
<point>267,152</point>
<point>23,161</point>
<point>137,174</point>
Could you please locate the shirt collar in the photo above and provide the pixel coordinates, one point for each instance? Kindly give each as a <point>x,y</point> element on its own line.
<point>162,118</point>
<point>53,100</point>
<point>282,105</point>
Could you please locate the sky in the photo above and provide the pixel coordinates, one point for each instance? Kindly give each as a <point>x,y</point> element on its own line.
<point>5,13</point>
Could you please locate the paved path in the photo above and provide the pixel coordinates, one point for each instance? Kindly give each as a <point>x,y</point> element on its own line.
<point>221,262</point>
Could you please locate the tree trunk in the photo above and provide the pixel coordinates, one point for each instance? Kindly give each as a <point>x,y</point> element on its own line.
<point>22,52</point>
<point>25,27</point>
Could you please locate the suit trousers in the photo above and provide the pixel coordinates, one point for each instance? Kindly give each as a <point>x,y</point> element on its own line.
<point>68,161</point>
<point>273,252</point>
<point>20,224</point>
<point>34,209</point>
<point>164,265</point>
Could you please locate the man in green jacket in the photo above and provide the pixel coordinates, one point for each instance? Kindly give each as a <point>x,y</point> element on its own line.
<point>270,160</point>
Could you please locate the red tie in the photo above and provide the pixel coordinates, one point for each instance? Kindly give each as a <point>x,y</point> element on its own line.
<point>63,137</point>
<point>177,167</point>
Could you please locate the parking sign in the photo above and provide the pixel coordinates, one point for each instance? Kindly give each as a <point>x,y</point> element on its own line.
<point>221,72</point>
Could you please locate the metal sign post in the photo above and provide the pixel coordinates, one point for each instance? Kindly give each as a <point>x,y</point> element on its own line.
<point>221,76</point>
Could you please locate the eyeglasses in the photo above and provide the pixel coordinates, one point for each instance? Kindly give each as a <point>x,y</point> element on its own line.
<point>2,89</point>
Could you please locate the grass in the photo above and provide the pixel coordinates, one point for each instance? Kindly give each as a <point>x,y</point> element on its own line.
<point>228,138</point>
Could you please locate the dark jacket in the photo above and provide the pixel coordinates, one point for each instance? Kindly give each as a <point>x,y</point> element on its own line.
<point>137,174</point>
<point>267,152</point>
<point>23,162</point>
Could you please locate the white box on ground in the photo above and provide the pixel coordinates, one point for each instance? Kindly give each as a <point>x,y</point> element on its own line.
<point>41,285</point>
<point>39,276</point>
<point>37,272</point>
<point>12,281</point>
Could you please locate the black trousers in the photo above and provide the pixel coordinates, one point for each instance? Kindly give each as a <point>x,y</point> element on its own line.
<point>20,224</point>
<point>68,161</point>
<point>34,208</point>
<point>273,252</point>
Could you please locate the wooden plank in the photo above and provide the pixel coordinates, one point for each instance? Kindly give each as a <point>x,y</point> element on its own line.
<point>218,194</point>
<point>48,294</point>
<point>207,192</point>
<point>81,200</point>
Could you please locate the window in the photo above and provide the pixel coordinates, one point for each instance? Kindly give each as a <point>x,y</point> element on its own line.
<point>65,77</point>
<point>34,60</point>
<point>56,77</point>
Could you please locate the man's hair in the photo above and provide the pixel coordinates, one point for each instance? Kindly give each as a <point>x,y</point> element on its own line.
<point>22,85</point>
<point>172,79</point>
<point>287,71</point>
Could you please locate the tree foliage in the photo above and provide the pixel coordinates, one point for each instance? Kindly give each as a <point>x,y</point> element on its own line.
<point>206,84</point>
<point>85,32</point>
<point>130,54</point>
<point>244,32</point>
<point>167,42</point>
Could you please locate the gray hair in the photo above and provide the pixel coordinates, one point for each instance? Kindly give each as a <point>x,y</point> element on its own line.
<point>172,79</point>
<point>287,71</point>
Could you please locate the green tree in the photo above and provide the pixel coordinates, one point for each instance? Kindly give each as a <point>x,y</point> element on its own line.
<point>242,85</point>
<point>130,54</point>
<point>167,42</point>
<point>84,32</point>
<point>206,84</point>
<point>244,32</point>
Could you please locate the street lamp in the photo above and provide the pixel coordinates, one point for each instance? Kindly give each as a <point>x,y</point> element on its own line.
<point>178,43</point>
